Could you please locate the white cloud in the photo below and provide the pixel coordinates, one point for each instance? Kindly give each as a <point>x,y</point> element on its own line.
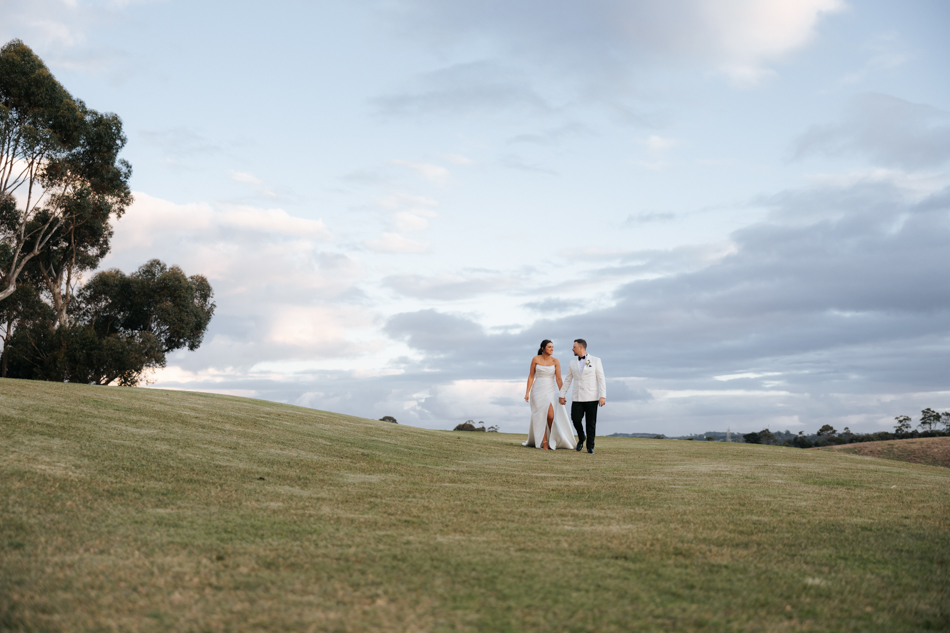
<point>241,176</point>
<point>309,326</point>
<point>258,184</point>
<point>402,200</point>
<point>659,143</point>
<point>395,243</point>
<point>413,220</point>
<point>280,293</point>
<point>151,219</point>
<point>727,377</point>
<point>738,38</point>
<point>714,393</point>
<point>275,221</point>
<point>433,173</point>
<point>173,373</point>
<point>746,35</point>
<point>411,214</point>
<point>478,400</point>
<point>458,159</point>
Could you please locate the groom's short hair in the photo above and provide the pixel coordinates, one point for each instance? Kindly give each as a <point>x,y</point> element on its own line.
<point>581,341</point>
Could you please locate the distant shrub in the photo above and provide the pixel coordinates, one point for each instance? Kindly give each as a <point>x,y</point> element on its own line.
<point>800,441</point>
<point>388,418</point>
<point>764,436</point>
<point>903,425</point>
<point>469,425</point>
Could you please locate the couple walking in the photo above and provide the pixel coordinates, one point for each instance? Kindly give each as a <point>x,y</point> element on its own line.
<point>547,394</point>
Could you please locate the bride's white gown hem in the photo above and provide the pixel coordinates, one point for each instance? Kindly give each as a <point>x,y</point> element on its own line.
<point>544,394</point>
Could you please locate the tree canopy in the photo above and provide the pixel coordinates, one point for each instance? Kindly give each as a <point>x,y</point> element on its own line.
<point>61,178</point>
<point>124,326</point>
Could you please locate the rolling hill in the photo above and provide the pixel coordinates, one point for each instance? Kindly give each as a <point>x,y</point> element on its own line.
<point>933,451</point>
<point>150,510</point>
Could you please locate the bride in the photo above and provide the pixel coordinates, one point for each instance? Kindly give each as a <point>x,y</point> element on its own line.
<point>550,427</point>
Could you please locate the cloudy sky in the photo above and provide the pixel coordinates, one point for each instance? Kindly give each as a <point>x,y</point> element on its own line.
<point>743,205</point>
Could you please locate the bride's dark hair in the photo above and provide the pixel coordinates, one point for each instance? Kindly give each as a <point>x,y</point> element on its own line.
<point>544,344</point>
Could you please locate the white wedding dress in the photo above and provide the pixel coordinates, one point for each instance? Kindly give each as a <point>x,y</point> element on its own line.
<point>544,393</point>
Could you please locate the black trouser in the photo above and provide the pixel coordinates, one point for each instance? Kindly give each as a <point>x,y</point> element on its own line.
<point>578,411</point>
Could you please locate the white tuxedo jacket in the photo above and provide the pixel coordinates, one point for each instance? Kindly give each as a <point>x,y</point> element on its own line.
<point>588,380</point>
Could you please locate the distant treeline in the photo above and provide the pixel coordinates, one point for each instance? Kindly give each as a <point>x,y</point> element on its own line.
<point>827,435</point>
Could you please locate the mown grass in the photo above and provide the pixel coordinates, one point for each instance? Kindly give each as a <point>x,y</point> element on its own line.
<point>147,510</point>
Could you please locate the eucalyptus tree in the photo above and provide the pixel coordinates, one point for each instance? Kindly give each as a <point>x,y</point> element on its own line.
<point>929,419</point>
<point>61,179</point>
<point>121,327</point>
<point>903,425</point>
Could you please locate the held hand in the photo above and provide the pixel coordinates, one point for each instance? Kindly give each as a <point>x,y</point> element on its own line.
<point>603,401</point>
<point>562,400</point>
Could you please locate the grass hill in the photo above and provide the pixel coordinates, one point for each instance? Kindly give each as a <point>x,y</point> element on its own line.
<point>147,510</point>
<point>933,451</point>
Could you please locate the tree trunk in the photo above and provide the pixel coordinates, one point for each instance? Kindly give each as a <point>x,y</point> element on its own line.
<point>59,302</point>
<point>6,344</point>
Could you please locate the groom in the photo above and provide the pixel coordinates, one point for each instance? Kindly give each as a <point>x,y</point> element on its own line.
<point>590,390</point>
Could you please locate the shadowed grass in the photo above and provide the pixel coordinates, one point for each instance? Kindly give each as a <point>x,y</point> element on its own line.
<point>148,510</point>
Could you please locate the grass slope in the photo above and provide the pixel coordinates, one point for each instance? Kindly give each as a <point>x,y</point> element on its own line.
<point>147,510</point>
<point>933,451</point>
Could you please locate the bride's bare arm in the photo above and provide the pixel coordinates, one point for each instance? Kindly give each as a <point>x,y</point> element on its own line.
<point>567,385</point>
<point>557,374</point>
<point>534,362</point>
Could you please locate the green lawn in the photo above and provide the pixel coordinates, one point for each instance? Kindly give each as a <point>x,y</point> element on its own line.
<point>148,510</point>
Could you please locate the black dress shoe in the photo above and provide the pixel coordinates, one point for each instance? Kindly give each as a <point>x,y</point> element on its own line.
<point>590,450</point>
<point>580,446</point>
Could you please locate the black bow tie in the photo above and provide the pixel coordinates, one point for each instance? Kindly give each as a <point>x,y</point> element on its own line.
<point>582,357</point>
